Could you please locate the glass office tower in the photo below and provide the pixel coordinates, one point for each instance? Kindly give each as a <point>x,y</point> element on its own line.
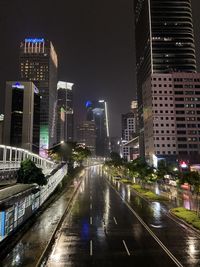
<point>22,115</point>
<point>97,112</point>
<point>65,120</point>
<point>164,42</point>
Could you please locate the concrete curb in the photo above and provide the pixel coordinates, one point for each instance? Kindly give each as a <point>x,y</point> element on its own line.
<point>43,257</point>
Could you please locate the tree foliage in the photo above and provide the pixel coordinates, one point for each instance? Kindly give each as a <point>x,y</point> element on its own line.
<point>116,159</point>
<point>62,151</point>
<point>162,169</point>
<point>141,170</point>
<point>79,154</point>
<point>192,178</point>
<point>69,151</point>
<point>29,173</point>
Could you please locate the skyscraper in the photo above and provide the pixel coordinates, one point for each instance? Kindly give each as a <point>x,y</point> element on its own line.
<point>164,43</point>
<point>38,63</point>
<point>129,132</point>
<point>22,115</point>
<point>65,121</point>
<point>171,117</point>
<point>129,126</point>
<point>164,37</point>
<point>98,113</point>
<point>86,135</point>
<point>1,127</point>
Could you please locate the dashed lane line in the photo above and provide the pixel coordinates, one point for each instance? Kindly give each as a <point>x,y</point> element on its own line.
<point>91,248</point>
<point>115,220</point>
<point>126,248</point>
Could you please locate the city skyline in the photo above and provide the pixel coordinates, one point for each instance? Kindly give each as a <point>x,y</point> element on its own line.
<point>86,47</point>
<point>94,170</point>
<point>82,61</point>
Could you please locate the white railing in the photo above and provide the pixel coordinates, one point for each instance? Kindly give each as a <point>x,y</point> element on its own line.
<point>11,157</point>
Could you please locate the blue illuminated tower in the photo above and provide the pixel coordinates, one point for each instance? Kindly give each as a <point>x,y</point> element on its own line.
<point>98,113</point>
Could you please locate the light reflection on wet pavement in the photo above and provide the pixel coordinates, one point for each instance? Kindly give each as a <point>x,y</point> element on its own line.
<point>116,237</point>
<point>100,230</point>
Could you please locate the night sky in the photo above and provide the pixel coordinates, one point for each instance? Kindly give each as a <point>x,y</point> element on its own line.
<point>94,40</point>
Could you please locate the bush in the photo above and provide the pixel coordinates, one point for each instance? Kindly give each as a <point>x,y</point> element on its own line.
<point>29,173</point>
<point>126,181</point>
<point>148,194</point>
<point>188,216</point>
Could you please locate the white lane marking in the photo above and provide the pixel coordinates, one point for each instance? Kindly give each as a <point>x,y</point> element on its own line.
<point>90,206</point>
<point>90,220</point>
<point>175,260</point>
<point>91,249</point>
<point>115,220</point>
<point>126,248</point>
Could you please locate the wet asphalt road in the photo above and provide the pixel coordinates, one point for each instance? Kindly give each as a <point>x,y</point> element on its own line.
<point>106,228</point>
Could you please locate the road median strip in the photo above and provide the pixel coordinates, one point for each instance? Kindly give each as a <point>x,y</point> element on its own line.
<point>189,217</point>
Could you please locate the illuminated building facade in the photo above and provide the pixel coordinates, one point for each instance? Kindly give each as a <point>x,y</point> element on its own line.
<point>97,112</point>
<point>164,43</point>
<point>172,117</point>
<point>86,135</point>
<point>22,116</point>
<point>129,125</point>
<point>65,123</point>
<point>129,149</point>
<point>38,63</point>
